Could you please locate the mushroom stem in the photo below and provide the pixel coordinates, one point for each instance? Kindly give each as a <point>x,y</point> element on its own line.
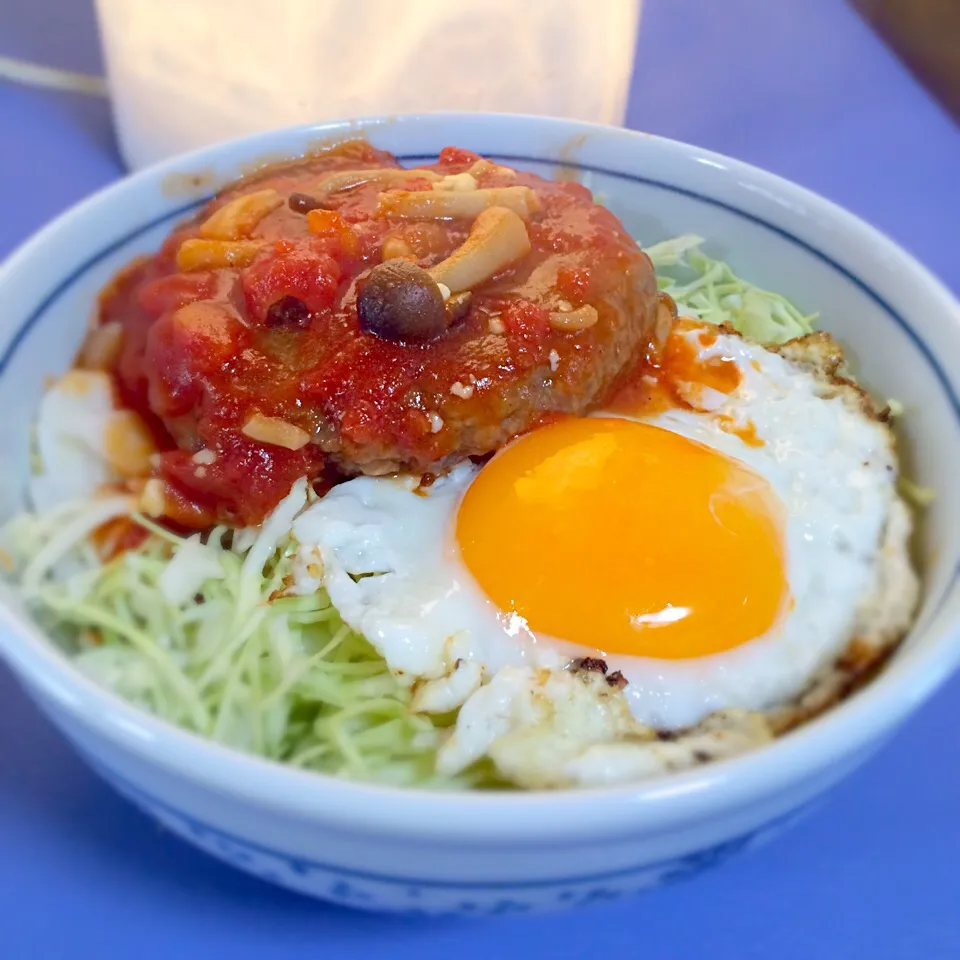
<point>497,238</point>
<point>237,219</point>
<point>456,204</point>
<point>350,179</point>
<point>275,431</point>
<point>199,254</point>
<point>571,320</point>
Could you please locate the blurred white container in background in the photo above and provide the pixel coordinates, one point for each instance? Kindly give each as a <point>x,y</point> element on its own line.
<point>185,73</point>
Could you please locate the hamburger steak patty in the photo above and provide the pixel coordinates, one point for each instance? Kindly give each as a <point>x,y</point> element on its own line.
<point>340,315</point>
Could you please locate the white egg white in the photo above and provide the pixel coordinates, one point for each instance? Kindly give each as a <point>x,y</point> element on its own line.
<point>555,728</point>
<point>86,442</point>
<point>392,570</point>
<point>70,439</point>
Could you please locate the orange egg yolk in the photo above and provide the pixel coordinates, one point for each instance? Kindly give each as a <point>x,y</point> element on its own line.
<point>626,538</point>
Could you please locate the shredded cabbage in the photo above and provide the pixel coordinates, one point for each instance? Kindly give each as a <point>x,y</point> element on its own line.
<point>709,290</point>
<point>200,632</point>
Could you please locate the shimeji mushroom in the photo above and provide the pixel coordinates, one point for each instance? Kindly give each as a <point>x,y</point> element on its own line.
<point>497,239</point>
<point>275,431</point>
<point>582,318</point>
<point>199,254</point>
<point>342,180</point>
<point>401,301</point>
<point>350,179</point>
<point>237,219</point>
<point>456,204</point>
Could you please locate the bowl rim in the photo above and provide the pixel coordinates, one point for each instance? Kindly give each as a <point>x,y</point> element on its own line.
<point>845,731</point>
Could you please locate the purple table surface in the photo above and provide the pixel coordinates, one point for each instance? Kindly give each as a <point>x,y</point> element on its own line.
<point>803,89</point>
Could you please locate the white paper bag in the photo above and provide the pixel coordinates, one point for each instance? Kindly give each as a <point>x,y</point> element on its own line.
<point>183,73</point>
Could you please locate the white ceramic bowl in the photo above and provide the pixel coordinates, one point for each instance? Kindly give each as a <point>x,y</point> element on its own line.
<point>408,850</point>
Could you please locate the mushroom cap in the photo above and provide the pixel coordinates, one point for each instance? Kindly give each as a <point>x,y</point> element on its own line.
<point>400,301</point>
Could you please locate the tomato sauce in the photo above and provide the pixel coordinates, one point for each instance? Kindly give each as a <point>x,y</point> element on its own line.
<point>207,347</point>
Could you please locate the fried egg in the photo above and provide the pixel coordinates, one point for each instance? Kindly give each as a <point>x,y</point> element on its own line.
<point>716,552</point>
